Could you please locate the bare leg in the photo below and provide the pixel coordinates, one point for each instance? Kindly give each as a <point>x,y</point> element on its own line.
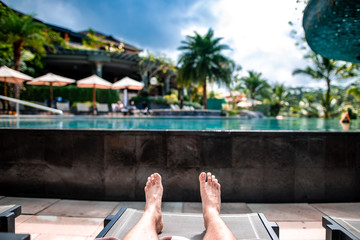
<point>211,202</point>
<point>150,223</point>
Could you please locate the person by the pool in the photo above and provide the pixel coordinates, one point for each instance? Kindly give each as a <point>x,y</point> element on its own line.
<point>151,223</point>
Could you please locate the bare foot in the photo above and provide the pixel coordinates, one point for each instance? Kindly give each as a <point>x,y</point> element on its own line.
<point>153,196</point>
<point>210,196</point>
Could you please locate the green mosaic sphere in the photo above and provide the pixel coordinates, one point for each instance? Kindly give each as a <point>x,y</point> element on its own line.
<point>332,28</point>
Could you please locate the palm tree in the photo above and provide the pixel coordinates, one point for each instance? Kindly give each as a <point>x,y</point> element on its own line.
<point>326,69</point>
<point>254,85</point>
<point>277,97</point>
<point>203,61</point>
<point>20,32</point>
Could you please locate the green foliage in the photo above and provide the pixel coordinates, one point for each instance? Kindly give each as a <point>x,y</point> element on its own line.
<point>277,98</point>
<point>253,85</point>
<point>171,98</point>
<point>158,66</point>
<point>93,41</point>
<point>327,69</point>
<point>160,100</point>
<point>71,93</point>
<point>202,61</point>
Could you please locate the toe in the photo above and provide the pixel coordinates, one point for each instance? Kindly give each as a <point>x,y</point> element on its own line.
<point>202,177</point>
<point>157,178</point>
<point>209,177</point>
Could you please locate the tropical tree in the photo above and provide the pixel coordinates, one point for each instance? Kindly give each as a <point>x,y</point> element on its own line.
<point>156,66</point>
<point>326,69</point>
<point>354,90</point>
<point>254,86</point>
<point>21,31</point>
<point>277,98</point>
<point>202,61</point>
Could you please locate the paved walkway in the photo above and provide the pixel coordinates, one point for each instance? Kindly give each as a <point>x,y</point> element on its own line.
<point>56,219</point>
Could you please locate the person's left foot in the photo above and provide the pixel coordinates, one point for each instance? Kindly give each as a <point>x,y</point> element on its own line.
<point>153,195</point>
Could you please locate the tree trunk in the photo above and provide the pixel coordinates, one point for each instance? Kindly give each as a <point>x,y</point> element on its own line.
<point>181,97</point>
<point>204,96</point>
<point>327,98</point>
<point>17,46</point>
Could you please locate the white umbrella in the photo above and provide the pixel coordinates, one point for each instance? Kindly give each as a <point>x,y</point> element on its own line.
<point>51,80</point>
<point>94,82</point>
<point>9,75</point>
<point>127,83</point>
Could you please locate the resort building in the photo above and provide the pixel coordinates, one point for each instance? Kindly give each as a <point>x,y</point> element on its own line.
<point>109,58</point>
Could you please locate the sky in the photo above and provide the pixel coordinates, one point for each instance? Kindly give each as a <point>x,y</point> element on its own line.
<point>257,31</point>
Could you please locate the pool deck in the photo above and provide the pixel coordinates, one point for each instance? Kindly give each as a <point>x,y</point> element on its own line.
<point>55,219</point>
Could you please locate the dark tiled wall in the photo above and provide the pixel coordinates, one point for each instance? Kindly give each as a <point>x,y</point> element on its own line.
<point>114,165</point>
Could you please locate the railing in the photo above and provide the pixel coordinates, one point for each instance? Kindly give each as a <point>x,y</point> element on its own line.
<point>17,101</point>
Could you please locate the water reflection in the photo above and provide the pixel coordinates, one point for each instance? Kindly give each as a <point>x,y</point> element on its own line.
<point>188,123</point>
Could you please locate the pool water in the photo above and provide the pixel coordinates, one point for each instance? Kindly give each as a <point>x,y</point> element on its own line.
<point>177,123</point>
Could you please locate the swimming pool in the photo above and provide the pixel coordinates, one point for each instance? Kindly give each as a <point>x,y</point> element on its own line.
<point>177,123</point>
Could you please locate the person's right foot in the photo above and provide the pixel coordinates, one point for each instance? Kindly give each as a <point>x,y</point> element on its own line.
<point>210,196</point>
<point>153,196</point>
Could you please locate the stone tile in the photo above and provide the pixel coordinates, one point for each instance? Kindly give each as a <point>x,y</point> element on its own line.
<point>341,151</point>
<point>97,231</point>
<point>134,205</point>
<point>342,183</point>
<point>73,208</point>
<point>310,152</point>
<point>60,226</point>
<point>22,218</point>
<point>247,185</point>
<point>175,207</point>
<point>301,231</point>
<point>119,182</point>
<point>278,184</point>
<point>29,205</point>
<point>234,208</point>
<point>217,151</point>
<point>183,151</point>
<point>177,187</point>
<point>62,155</point>
<point>245,152</point>
<point>119,150</point>
<point>278,152</point>
<point>192,207</point>
<point>58,237</point>
<point>346,210</point>
<point>287,212</point>
<point>150,149</point>
<point>309,184</point>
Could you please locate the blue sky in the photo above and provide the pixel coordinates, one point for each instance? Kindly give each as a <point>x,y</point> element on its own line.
<point>257,31</point>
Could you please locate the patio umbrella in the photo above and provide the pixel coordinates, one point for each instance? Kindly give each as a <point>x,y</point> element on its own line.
<point>8,75</point>
<point>94,82</point>
<point>127,83</point>
<point>51,80</point>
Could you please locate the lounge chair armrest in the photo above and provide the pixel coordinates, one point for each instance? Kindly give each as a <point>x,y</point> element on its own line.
<point>13,236</point>
<point>271,227</point>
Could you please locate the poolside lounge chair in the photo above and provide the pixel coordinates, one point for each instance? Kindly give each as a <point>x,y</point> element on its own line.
<point>341,228</point>
<point>64,106</point>
<point>82,108</point>
<point>102,108</point>
<point>8,213</point>
<point>191,226</point>
<point>13,236</point>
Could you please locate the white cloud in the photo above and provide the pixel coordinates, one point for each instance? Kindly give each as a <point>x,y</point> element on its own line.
<point>259,35</point>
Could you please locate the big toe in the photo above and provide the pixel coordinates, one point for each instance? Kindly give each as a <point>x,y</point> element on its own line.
<point>157,178</point>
